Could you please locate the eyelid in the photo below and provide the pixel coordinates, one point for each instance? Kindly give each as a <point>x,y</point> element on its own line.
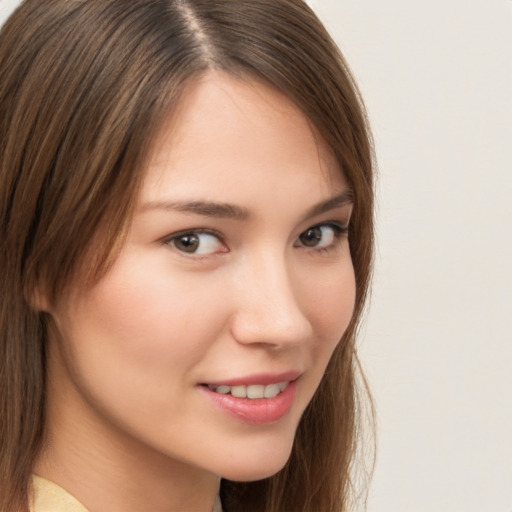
<point>194,231</point>
<point>342,227</point>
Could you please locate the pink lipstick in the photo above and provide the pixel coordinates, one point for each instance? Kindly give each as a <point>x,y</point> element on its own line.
<point>256,400</point>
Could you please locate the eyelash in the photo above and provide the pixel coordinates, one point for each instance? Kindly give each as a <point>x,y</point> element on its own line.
<point>339,232</point>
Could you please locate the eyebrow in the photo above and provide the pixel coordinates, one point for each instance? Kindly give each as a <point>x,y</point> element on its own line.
<point>234,212</point>
<point>204,208</point>
<point>343,199</point>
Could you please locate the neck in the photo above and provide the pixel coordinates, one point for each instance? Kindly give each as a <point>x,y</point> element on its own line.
<point>107,469</point>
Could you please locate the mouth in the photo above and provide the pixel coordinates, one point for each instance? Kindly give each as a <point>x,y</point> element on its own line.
<point>261,400</point>
<point>253,391</point>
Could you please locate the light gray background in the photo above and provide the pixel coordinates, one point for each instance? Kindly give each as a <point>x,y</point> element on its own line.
<point>437,346</point>
<point>437,79</point>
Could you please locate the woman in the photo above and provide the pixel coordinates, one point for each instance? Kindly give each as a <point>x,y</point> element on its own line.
<point>180,181</point>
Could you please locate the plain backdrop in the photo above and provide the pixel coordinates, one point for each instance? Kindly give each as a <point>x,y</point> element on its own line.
<point>437,344</point>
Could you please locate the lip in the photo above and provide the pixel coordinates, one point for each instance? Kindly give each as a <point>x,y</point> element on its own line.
<point>259,411</point>
<point>263,379</point>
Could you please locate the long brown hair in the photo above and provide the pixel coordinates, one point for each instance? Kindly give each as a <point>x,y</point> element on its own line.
<point>84,87</point>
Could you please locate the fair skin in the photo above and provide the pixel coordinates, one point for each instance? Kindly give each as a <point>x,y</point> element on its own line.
<point>201,295</point>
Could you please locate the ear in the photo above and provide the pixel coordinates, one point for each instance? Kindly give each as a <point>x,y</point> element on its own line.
<point>38,300</point>
<point>40,304</point>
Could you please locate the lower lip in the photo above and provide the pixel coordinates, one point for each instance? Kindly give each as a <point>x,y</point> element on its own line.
<point>259,411</point>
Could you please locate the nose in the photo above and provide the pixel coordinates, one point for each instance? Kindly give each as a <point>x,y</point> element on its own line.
<point>270,306</point>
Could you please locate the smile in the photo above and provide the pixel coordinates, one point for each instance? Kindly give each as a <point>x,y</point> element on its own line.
<point>253,391</point>
<point>266,400</point>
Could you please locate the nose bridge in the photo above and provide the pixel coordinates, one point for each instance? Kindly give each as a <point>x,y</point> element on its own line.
<point>269,308</point>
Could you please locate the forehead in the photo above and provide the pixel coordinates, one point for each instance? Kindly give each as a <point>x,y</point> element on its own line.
<point>229,137</point>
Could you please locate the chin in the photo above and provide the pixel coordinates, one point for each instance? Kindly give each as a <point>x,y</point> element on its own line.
<point>257,466</point>
<point>251,474</point>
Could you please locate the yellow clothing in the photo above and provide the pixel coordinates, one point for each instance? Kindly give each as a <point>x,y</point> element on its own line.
<point>49,497</point>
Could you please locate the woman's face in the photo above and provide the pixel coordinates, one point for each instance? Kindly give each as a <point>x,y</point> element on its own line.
<point>236,279</point>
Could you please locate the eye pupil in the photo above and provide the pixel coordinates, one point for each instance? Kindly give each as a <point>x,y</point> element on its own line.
<point>311,237</point>
<point>187,243</point>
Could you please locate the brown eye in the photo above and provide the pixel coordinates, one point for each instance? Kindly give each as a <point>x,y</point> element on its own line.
<point>187,243</point>
<point>322,236</point>
<point>197,243</point>
<point>311,237</point>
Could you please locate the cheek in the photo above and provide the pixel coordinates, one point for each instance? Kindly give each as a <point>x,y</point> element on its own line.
<point>333,306</point>
<point>144,322</point>
<point>332,301</point>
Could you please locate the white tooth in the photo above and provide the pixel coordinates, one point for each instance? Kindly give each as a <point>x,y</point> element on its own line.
<point>223,390</point>
<point>282,385</point>
<point>255,391</point>
<point>239,391</point>
<point>271,390</point>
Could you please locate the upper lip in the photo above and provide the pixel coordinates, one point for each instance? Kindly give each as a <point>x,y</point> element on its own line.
<point>263,379</point>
